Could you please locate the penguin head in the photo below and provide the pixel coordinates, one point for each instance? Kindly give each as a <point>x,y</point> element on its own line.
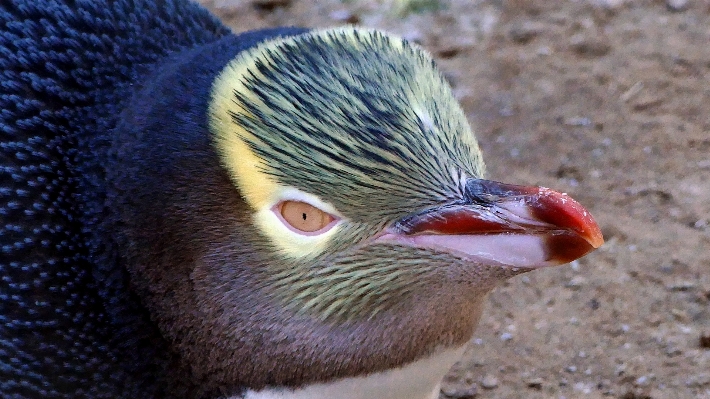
<point>331,137</point>
<point>341,223</point>
<point>346,145</point>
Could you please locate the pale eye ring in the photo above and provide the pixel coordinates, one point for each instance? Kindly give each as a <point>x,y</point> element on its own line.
<point>304,218</point>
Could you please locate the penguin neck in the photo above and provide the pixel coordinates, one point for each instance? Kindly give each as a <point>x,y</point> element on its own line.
<point>420,379</point>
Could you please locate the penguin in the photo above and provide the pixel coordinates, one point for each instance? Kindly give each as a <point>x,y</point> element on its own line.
<point>283,213</point>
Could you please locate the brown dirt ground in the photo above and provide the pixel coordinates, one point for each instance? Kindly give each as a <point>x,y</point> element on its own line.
<point>609,101</point>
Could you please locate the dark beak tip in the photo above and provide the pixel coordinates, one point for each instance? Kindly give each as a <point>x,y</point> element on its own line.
<point>565,248</point>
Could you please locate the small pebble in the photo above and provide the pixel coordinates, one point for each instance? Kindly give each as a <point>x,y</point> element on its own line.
<point>585,388</point>
<point>489,381</point>
<point>608,4</point>
<point>698,380</point>
<point>344,16</point>
<point>680,315</point>
<point>534,383</point>
<point>632,92</point>
<point>578,121</point>
<point>681,286</point>
<point>673,351</point>
<point>654,320</point>
<point>620,369</point>
<point>468,378</point>
<point>705,341</point>
<point>676,5</point>
<point>605,386</point>
<point>646,101</point>
<point>271,4</point>
<point>544,50</point>
<point>525,32</point>
<point>576,282</point>
<point>506,336</point>
<point>642,381</point>
<point>594,304</point>
<point>459,390</point>
<point>590,45</point>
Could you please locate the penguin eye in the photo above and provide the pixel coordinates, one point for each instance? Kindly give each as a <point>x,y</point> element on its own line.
<point>304,217</point>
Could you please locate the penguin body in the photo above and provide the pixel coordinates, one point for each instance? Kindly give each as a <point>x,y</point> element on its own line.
<point>284,213</point>
<point>70,325</point>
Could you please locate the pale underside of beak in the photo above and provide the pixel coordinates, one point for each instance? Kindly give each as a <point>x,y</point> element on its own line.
<point>503,224</point>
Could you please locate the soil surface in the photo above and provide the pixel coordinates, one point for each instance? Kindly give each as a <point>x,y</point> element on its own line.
<point>609,101</point>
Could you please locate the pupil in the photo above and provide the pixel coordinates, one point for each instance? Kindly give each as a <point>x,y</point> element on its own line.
<point>304,216</point>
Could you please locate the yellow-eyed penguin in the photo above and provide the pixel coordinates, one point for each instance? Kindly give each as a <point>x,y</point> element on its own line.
<point>285,213</point>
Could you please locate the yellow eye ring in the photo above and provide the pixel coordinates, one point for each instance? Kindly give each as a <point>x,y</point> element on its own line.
<point>304,218</point>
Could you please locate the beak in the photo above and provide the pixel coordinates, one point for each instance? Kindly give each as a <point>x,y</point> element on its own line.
<point>497,223</point>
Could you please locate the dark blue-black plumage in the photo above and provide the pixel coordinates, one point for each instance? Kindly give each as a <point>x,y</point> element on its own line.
<point>70,325</point>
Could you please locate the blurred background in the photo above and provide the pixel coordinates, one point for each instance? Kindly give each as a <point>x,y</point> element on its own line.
<point>609,101</point>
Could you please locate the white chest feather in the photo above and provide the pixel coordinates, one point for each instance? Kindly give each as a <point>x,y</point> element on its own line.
<point>417,380</point>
